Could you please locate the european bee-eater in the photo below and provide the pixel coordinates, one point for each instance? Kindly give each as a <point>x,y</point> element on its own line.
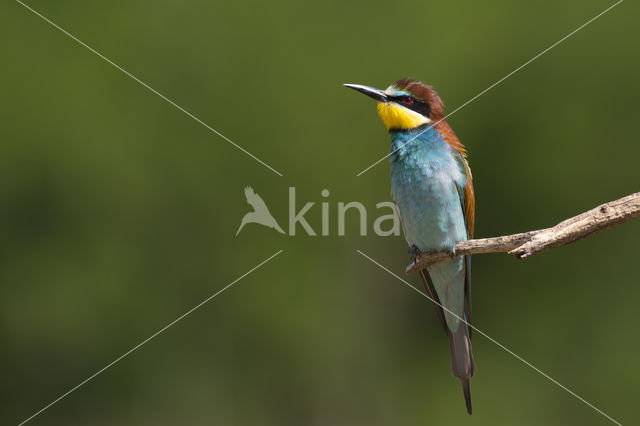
<point>433,192</point>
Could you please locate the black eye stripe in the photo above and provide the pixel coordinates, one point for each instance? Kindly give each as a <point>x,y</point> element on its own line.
<point>417,105</point>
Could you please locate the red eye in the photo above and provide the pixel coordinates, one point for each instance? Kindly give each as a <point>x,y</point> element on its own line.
<point>407,100</point>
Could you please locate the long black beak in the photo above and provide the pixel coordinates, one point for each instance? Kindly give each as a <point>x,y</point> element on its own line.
<point>372,92</point>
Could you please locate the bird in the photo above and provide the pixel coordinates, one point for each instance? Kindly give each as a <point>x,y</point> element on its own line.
<point>260,213</point>
<point>432,188</point>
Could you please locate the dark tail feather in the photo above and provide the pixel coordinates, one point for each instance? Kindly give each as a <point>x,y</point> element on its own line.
<point>426,278</point>
<point>462,364</point>
<point>467,393</point>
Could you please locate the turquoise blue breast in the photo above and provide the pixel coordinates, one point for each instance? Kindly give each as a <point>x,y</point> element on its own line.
<point>426,173</point>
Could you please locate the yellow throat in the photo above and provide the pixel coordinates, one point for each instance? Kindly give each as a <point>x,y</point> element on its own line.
<point>395,116</point>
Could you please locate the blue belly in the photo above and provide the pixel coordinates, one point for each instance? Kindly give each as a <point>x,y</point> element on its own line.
<point>425,176</point>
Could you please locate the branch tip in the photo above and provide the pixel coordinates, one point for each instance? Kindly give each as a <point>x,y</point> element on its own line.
<point>528,244</point>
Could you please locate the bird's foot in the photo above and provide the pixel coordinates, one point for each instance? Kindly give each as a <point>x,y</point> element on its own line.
<point>414,252</point>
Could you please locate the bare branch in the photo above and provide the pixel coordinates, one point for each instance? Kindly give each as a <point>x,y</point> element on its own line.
<point>528,244</point>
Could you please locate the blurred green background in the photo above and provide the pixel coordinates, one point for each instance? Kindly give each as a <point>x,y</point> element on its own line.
<point>118,213</point>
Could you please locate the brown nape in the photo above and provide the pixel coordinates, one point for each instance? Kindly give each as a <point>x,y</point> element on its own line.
<point>425,93</point>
